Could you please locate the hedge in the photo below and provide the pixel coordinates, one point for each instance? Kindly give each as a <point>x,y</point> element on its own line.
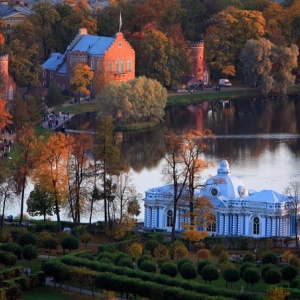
<point>157,278</point>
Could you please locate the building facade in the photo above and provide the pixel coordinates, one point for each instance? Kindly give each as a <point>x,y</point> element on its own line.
<point>238,211</point>
<point>7,85</point>
<point>110,58</point>
<point>200,71</point>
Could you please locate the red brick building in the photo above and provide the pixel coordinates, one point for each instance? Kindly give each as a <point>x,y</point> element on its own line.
<point>200,69</point>
<point>110,58</point>
<point>7,85</point>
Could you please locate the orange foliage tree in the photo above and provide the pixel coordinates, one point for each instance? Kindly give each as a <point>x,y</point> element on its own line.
<point>52,168</point>
<point>4,113</point>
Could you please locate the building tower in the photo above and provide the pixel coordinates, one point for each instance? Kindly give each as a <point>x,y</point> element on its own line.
<point>199,68</point>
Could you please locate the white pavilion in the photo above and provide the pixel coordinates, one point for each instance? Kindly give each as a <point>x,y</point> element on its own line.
<point>238,211</point>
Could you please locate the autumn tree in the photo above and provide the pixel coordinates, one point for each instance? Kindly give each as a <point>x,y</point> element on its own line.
<point>82,78</point>
<point>107,156</point>
<point>226,35</point>
<point>80,172</point>
<point>5,116</point>
<point>7,192</point>
<point>40,203</point>
<point>26,147</point>
<point>174,171</point>
<point>52,169</point>
<point>138,100</point>
<point>267,66</point>
<point>24,64</point>
<point>293,206</point>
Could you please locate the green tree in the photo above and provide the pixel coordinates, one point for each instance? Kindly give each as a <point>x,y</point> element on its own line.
<point>273,276</point>
<point>138,100</point>
<point>231,275</point>
<point>267,66</point>
<point>54,96</point>
<point>40,203</point>
<point>27,238</point>
<point>210,273</point>
<point>43,19</point>
<point>29,253</point>
<point>251,275</point>
<point>69,242</point>
<point>188,271</point>
<point>289,272</point>
<point>168,269</point>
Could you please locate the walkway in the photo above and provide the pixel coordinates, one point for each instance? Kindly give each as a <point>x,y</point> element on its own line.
<point>56,121</point>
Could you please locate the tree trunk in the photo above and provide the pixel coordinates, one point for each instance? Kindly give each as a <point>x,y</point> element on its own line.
<point>22,200</point>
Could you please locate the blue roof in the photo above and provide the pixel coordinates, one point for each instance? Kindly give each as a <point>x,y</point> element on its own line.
<point>268,196</point>
<point>54,61</point>
<point>94,45</point>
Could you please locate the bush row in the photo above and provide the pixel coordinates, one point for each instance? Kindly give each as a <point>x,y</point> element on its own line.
<point>156,278</point>
<point>10,273</point>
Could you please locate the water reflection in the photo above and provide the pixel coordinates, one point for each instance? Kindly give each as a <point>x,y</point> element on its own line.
<point>259,138</point>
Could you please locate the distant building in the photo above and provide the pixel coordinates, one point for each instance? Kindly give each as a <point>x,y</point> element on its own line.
<point>200,70</point>
<point>13,14</point>
<point>7,85</point>
<point>238,211</point>
<point>111,59</point>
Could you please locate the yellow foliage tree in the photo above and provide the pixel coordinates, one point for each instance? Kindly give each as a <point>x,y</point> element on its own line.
<point>136,250</point>
<point>277,293</point>
<point>82,78</point>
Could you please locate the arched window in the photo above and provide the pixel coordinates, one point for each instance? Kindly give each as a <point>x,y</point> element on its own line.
<point>205,79</point>
<point>117,66</point>
<point>51,75</point>
<point>256,225</point>
<point>169,218</point>
<point>44,84</point>
<point>63,87</point>
<point>58,85</point>
<point>122,66</point>
<point>92,64</point>
<point>212,224</point>
<point>110,66</point>
<point>44,74</point>
<point>129,65</point>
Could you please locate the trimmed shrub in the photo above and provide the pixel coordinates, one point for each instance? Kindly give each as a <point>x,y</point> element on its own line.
<point>203,254</point>
<point>188,270</point>
<point>143,258</point>
<point>251,275</point>
<point>125,262</point>
<point>150,246</point>
<point>289,272</point>
<point>269,258</point>
<point>168,269</point>
<point>148,266</point>
<point>27,238</point>
<point>248,257</point>
<point>231,275</point>
<point>246,266</point>
<point>12,247</point>
<point>266,268</point>
<point>69,242</point>
<point>201,264</point>
<point>184,261</point>
<point>29,252</point>
<point>272,276</point>
<point>7,258</point>
<point>210,273</point>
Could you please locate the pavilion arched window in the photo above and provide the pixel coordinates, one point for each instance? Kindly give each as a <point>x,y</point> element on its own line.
<point>256,225</point>
<point>169,218</point>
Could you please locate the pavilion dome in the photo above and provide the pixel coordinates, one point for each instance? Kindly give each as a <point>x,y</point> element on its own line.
<point>225,185</point>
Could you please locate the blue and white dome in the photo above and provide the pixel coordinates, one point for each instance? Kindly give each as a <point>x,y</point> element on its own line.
<point>225,185</point>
